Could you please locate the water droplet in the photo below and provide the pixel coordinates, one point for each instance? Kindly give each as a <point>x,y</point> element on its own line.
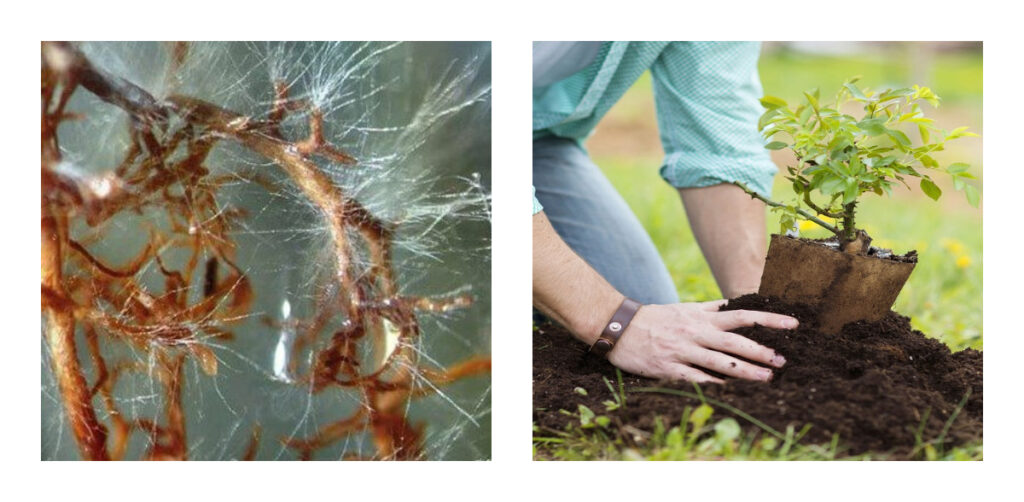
<point>391,337</point>
<point>101,187</point>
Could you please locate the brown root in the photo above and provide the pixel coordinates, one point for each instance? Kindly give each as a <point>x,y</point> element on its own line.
<point>860,244</point>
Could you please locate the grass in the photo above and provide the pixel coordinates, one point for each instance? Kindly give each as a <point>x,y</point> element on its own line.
<point>700,435</point>
<point>943,297</point>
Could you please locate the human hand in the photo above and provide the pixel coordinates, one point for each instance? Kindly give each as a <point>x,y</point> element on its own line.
<point>671,341</point>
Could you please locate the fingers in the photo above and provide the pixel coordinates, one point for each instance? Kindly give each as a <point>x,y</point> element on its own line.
<point>732,319</point>
<point>690,374</point>
<point>731,343</point>
<point>730,366</point>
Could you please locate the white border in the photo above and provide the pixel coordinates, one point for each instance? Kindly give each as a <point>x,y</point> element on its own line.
<point>511,25</point>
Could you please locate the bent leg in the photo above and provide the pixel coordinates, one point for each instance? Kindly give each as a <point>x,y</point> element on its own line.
<point>594,220</point>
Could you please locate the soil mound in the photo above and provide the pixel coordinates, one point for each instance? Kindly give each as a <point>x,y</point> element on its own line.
<point>875,384</point>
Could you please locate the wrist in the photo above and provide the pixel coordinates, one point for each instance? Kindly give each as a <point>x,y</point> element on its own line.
<point>592,319</point>
<point>615,327</point>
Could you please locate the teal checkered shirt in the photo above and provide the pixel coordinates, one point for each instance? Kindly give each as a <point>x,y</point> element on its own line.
<point>707,96</point>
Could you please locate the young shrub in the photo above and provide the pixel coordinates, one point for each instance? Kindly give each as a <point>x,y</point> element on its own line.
<point>840,157</point>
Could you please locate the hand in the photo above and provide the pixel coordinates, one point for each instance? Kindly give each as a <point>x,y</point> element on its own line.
<point>671,341</point>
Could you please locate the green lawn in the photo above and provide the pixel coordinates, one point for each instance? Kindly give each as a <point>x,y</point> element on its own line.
<point>943,297</point>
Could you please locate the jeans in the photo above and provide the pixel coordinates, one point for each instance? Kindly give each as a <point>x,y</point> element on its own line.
<point>593,219</point>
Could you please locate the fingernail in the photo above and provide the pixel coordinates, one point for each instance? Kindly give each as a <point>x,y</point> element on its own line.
<point>790,323</point>
<point>767,375</point>
<point>778,361</point>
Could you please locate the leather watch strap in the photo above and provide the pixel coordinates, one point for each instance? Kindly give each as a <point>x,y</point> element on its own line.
<point>615,327</point>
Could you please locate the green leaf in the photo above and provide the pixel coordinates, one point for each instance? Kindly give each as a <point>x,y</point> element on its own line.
<point>923,131</point>
<point>727,429</point>
<point>928,161</point>
<point>960,132</point>
<point>586,416</point>
<point>580,390</point>
<point>884,161</point>
<point>776,145</point>
<point>973,197</point>
<point>765,119</point>
<point>874,127</point>
<point>602,421</point>
<point>771,102</point>
<point>930,189</point>
<point>926,94</point>
<point>852,191</point>
<point>805,114</point>
<point>812,99</point>
<point>898,137</point>
<point>832,185</point>
<point>700,416</point>
<point>895,93</point>
<point>798,187</point>
<point>855,91</point>
<point>838,145</point>
<point>856,167</point>
<point>674,438</point>
<point>957,167</point>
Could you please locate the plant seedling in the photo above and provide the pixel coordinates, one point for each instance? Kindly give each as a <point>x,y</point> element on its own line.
<point>840,157</point>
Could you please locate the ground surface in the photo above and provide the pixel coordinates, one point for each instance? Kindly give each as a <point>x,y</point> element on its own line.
<point>877,387</point>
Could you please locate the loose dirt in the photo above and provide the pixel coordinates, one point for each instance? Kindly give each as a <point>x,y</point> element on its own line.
<point>874,384</point>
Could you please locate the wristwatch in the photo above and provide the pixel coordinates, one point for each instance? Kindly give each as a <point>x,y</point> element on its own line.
<point>616,326</point>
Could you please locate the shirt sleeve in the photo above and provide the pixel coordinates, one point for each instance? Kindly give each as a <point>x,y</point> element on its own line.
<point>536,203</point>
<point>707,96</point>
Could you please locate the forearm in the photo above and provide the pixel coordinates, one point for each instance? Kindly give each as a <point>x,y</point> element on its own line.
<point>566,288</point>
<point>730,228</point>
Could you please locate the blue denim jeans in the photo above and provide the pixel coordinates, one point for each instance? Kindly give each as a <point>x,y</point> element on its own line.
<point>593,219</point>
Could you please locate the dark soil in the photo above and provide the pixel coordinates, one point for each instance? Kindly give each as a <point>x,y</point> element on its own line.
<point>873,384</point>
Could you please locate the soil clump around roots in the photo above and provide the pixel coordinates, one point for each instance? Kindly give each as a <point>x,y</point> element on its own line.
<point>876,384</point>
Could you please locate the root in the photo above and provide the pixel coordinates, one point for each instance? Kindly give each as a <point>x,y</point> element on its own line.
<point>169,325</point>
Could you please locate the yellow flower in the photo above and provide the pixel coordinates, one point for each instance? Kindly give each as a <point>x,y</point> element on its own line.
<point>954,246</point>
<point>807,225</point>
<point>963,261</point>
